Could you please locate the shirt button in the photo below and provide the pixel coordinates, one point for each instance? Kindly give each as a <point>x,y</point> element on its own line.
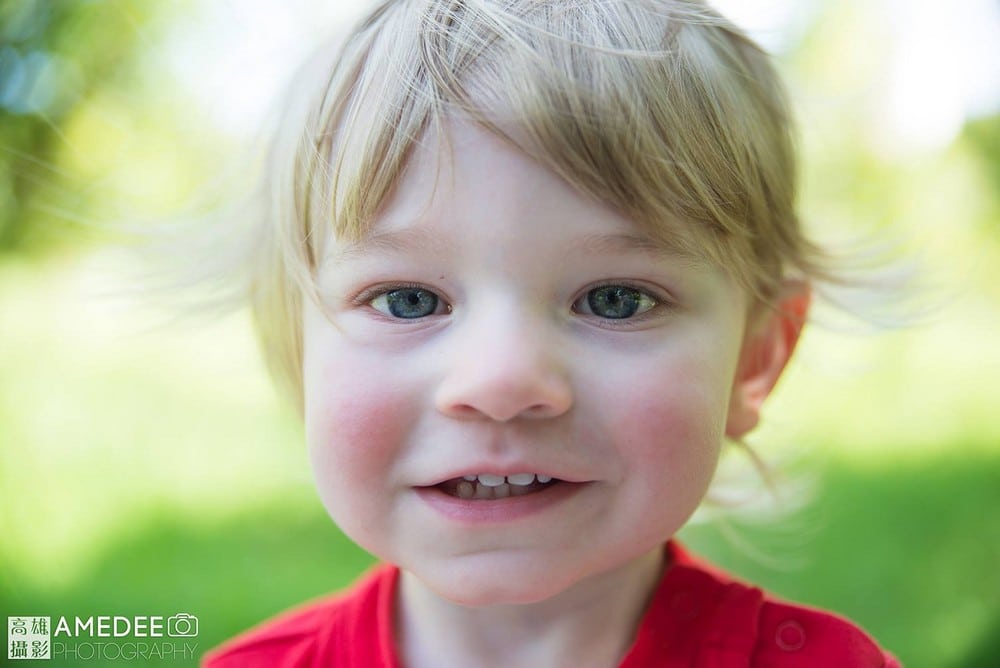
<point>790,636</point>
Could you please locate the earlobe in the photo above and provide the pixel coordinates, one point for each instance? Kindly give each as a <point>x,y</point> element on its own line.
<point>768,344</point>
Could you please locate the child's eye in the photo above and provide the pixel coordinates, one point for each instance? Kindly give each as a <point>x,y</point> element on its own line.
<point>406,302</point>
<point>614,302</point>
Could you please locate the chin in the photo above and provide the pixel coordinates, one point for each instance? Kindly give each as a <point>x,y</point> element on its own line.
<point>478,587</point>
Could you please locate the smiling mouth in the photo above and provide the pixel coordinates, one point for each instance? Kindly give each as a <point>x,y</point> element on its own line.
<point>487,486</point>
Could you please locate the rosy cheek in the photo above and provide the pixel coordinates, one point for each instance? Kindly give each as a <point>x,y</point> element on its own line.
<point>355,429</point>
<point>675,426</point>
<point>353,423</point>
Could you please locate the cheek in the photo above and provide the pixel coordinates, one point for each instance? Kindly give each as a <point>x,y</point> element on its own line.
<point>671,417</point>
<point>355,423</point>
<point>682,432</point>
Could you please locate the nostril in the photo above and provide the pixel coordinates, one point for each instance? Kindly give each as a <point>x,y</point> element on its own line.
<point>546,410</point>
<point>464,411</point>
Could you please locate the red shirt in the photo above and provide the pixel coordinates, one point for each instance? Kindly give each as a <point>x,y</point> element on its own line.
<point>699,617</point>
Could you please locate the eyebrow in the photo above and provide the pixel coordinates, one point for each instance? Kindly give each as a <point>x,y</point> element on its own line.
<point>396,241</point>
<point>416,239</point>
<point>630,243</point>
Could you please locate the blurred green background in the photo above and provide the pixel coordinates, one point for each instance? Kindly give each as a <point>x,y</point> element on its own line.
<point>147,466</point>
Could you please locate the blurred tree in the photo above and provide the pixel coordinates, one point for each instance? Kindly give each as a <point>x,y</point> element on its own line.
<point>983,135</point>
<point>54,56</point>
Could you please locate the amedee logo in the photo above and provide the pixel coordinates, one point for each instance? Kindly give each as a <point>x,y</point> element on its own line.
<point>181,625</point>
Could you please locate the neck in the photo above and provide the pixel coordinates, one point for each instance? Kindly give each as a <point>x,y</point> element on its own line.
<point>592,624</point>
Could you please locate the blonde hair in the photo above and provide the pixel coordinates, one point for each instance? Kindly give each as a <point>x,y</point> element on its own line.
<point>661,108</point>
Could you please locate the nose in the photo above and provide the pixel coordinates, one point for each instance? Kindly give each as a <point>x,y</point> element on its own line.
<point>503,368</point>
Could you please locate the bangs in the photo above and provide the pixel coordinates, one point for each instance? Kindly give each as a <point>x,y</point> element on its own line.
<point>650,107</point>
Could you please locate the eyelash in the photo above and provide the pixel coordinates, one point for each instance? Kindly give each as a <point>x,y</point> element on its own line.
<point>365,297</point>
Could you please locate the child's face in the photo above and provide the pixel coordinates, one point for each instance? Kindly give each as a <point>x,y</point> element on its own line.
<point>509,325</point>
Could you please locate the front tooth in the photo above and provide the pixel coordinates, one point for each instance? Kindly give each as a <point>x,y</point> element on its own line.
<point>490,480</point>
<point>521,479</point>
<point>465,490</point>
<point>544,478</point>
<point>470,478</point>
<point>501,491</point>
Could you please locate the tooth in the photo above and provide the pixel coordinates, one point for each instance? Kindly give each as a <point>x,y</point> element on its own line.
<point>501,491</point>
<point>470,478</point>
<point>544,478</point>
<point>521,479</point>
<point>483,492</point>
<point>490,480</point>
<point>465,490</point>
<point>517,490</point>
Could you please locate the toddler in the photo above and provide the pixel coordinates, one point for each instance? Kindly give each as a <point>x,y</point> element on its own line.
<point>524,266</point>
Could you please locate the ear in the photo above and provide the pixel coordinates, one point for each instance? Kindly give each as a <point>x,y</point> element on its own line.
<point>771,336</point>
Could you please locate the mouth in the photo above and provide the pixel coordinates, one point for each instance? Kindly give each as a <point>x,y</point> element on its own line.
<point>486,486</point>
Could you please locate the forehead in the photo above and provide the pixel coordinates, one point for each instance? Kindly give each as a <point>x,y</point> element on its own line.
<point>469,182</point>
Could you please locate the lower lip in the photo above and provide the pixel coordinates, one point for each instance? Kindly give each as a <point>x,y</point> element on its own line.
<point>488,511</point>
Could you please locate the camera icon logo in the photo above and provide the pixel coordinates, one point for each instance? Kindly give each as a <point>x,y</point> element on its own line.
<point>182,625</point>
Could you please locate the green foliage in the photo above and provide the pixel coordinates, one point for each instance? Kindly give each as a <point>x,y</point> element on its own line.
<point>982,135</point>
<point>54,57</point>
